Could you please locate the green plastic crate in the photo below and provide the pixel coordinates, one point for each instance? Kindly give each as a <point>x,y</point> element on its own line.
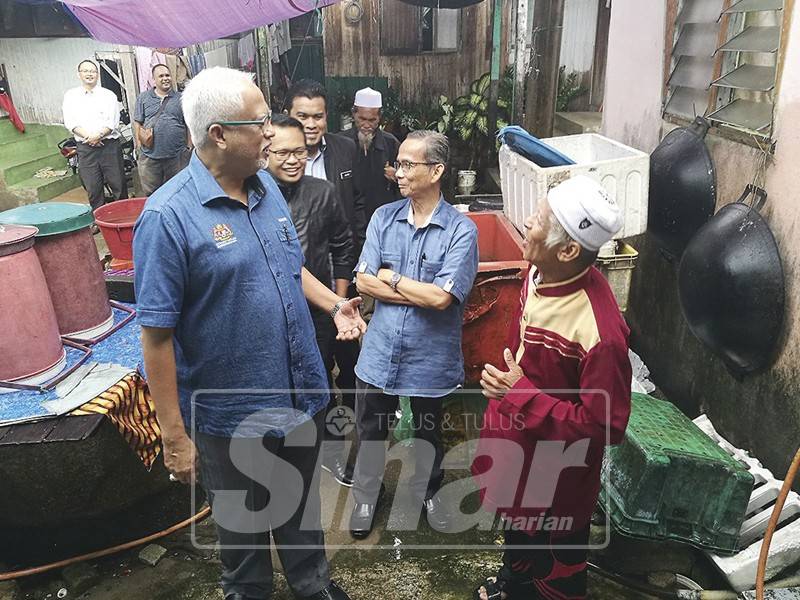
<point>669,481</point>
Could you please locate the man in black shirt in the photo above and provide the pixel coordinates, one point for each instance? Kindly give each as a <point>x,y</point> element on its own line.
<point>324,234</point>
<point>377,152</point>
<point>332,157</point>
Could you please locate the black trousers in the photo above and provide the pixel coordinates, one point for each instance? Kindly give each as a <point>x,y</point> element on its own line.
<point>99,166</point>
<point>374,410</point>
<point>242,500</point>
<point>326,339</point>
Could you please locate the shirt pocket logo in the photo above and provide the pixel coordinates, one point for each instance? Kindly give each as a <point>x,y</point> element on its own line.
<point>223,235</point>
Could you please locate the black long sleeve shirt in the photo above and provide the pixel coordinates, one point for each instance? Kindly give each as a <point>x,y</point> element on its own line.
<point>322,227</point>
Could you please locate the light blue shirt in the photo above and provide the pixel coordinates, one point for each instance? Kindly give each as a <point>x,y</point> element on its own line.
<point>408,350</point>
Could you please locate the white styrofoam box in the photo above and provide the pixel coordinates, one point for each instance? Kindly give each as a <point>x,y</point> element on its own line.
<point>623,171</point>
<point>784,550</point>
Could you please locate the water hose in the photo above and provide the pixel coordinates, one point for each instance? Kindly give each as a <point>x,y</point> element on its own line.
<point>205,512</point>
<point>773,524</point>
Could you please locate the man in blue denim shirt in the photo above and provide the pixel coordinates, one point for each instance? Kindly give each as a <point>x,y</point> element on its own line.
<point>419,262</point>
<point>229,344</point>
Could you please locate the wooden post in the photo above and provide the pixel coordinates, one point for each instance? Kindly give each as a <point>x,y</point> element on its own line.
<point>495,69</point>
<point>600,60</point>
<point>521,58</point>
<point>263,66</point>
<point>540,105</point>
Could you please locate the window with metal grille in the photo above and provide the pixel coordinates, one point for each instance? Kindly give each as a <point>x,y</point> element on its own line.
<point>409,29</point>
<point>724,59</point>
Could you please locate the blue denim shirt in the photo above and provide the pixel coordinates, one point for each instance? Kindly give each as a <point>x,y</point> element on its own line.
<point>408,350</point>
<point>227,278</point>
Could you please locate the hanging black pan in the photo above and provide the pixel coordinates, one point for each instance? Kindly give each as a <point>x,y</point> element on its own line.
<point>683,187</point>
<point>731,285</point>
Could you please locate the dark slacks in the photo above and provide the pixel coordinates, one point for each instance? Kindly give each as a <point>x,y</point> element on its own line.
<point>245,548</point>
<point>374,410</point>
<point>99,166</point>
<point>326,340</point>
<point>155,172</point>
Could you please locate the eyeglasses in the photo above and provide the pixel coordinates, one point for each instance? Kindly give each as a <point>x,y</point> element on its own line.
<point>407,165</point>
<point>87,71</point>
<point>267,120</point>
<point>298,153</point>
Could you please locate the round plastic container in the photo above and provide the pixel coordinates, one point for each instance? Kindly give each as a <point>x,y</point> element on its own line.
<point>116,221</point>
<point>69,260</point>
<point>30,346</point>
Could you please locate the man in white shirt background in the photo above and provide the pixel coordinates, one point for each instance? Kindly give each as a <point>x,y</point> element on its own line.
<point>91,114</point>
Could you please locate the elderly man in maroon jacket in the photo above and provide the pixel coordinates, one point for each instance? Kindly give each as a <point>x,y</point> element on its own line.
<point>561,397</point>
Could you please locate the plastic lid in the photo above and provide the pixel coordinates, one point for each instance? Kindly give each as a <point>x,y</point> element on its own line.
<point>50,218</point>
<point>16,238</point>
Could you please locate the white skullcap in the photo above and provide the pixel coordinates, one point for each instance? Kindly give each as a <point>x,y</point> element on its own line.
<point>368,98</point>
<point>586,211</point>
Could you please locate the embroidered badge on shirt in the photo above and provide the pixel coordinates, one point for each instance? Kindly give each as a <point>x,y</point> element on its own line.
<point>223,235</point>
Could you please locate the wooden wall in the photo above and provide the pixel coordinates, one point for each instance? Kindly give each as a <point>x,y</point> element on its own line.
<point>354,50</point>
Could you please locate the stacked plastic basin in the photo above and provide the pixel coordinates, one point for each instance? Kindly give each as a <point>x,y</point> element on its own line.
<point>31,351</point>
<point>669,481</point>
<point>71,266</point>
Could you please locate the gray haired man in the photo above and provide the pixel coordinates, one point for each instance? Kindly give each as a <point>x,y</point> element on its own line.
<point>419,262</point>
<point>229,345</point>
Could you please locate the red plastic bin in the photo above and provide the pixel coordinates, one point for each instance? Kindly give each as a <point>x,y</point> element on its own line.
<point>494,297</point>
<point>116,220</point>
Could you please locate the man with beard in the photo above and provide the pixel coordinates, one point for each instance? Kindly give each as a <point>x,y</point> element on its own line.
<point>377,151</point>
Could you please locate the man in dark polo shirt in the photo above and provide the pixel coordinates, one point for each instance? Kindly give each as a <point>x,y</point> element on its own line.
<point>377,151</point>
<point>229,344</point>
<point>160,109</point>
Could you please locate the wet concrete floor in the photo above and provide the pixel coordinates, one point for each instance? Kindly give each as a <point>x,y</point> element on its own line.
<point>403,558</point>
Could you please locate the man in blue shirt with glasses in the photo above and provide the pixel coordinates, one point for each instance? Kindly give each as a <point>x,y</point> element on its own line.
<point>419,262</point>
<point>229,346</point>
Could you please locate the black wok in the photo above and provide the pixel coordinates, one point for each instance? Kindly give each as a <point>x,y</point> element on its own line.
<point>731,286</point>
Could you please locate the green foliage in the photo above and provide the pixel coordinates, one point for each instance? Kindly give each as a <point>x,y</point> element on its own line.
<point>470,116</point>
<point>569,87</point>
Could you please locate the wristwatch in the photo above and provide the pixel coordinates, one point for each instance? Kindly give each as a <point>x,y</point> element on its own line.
<point>396,277</point>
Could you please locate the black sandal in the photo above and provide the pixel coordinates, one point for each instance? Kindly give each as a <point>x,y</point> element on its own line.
<point>494,589</point>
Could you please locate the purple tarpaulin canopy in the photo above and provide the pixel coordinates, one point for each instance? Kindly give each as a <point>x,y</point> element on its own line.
<point>177,23</point>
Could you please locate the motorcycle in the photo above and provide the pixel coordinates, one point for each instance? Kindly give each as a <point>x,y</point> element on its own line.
<point>69,150</point>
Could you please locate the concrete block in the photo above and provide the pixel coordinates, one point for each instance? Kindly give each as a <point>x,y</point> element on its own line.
<point>784,551</point>
<point>785,594</point>
<point>150,555</point>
